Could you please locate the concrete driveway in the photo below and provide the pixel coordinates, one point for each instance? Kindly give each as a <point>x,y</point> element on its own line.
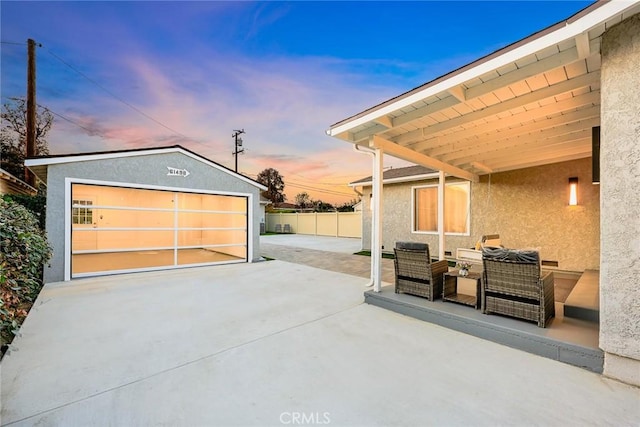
<point>344,245</point>
<point>275,343</point>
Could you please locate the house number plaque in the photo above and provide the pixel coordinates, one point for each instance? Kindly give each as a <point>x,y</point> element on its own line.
<point>177,172</point>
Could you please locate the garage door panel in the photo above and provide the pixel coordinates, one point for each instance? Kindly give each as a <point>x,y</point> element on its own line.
<point>211,220</point>
<point>109,218</point>
<point>224,237</point>
<point>121,261</point>
<point>125,229</point>
<point>84,239</point>
<point>210,255</point>
<point>237,251</point>
<point>212,202</point>
<point>137,198</point>
<point>191,238</point>
<point>134,239</point>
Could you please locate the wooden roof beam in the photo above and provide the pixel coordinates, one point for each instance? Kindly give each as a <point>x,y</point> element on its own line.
<point>443,144</point>
<point>543,159</point>
<point>535,128</point>
<point>547,92</point>
<point>489,146</point>
<point>524,148</point>
<point>382,124</point>
<point>547,64</point>
<point>583,46</point>
<point>459,93</point>
<point>372,130</point>
<point>385,121</point>
<point>407,154</point>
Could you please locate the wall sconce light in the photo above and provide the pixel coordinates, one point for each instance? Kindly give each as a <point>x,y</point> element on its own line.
<point>573,191</point>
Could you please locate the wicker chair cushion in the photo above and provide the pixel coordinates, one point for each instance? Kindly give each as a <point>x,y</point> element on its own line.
<point>414,246</point>
<point>502,254</point>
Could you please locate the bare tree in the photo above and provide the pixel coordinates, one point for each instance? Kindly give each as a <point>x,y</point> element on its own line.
<point>13,134</point>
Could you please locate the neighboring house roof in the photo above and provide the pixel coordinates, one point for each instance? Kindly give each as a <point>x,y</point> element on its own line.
<point>38,165</point>
<point>394,175</point>
<point>284,205</point>
<point>13,185</point>
<point>531,103</point>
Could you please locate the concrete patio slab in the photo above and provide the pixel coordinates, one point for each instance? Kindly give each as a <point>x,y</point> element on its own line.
<point>270,343</point>
<point>327,253</point>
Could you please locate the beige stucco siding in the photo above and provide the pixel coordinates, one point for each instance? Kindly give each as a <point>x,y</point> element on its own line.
<point>527,207</point>
<point>620,172</point>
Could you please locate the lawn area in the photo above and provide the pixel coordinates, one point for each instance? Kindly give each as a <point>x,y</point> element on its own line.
<point>368,253</point>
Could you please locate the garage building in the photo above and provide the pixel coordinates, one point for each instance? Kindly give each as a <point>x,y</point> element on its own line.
<point>145,209</point>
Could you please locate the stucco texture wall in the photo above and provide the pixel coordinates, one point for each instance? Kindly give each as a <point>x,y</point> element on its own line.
<point>620,175</point>
<point>148,169</point>
<point>527,207</point>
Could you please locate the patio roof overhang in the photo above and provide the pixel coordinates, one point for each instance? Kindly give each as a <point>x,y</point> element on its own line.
<point>531,103</point>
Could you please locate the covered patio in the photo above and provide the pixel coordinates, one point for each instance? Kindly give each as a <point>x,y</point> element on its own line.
<point>532,107</point>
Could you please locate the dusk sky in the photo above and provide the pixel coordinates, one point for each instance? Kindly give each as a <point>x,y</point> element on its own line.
<point>145,74</point>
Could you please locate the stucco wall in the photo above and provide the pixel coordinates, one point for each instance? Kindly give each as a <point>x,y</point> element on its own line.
<point>527,207</point>
<point>145,169</point>
<point>620,204</point>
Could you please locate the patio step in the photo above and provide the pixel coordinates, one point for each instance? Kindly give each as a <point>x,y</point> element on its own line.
<point>584,300</point>
<point>569,341</point>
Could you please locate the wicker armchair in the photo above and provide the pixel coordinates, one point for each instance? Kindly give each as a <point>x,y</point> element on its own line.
<point>415,273</point>
<point>514,285</point>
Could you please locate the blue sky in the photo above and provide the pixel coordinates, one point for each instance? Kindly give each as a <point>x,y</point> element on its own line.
<point>283,71</point>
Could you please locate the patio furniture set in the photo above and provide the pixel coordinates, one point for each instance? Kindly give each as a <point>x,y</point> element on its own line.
<point>511,282</point>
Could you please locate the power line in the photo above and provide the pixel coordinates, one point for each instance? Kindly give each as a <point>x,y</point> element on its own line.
<point>330,192</point>
<point>310,188</point>
<point>14,43</point>
<point>66,118</point>
<point>136,109</point>
<point>336,177</point>
<point>327,183</point>
<point>110,93</point>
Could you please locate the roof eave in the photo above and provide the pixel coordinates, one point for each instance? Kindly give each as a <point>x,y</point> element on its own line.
<point>38,165</point>
<point>17,181</point>
<point>582,21</point>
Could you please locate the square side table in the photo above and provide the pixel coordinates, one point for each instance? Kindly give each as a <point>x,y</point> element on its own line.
<point>450,289</point>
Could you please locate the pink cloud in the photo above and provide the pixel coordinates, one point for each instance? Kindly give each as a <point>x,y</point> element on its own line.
<point>285,105</point>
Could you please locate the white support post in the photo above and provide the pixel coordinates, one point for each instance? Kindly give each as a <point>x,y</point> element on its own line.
<point>441,179</point>
<point>376,221</point>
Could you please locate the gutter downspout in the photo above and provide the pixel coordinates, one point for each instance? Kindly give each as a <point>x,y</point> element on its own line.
<point>366,150</point>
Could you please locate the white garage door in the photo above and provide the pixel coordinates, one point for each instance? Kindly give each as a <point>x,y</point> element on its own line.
<point>117,229</point>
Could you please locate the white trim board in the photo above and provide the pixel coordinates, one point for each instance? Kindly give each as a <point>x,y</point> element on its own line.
<point>45,161</point>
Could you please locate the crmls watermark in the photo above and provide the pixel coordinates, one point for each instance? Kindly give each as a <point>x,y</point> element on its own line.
<point>305,418</point>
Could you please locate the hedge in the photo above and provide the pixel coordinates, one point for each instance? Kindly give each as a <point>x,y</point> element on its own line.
<point>24,252</point>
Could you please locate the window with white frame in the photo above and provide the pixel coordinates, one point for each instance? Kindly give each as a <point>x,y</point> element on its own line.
<point>457,197</point>
<point>82,212</point>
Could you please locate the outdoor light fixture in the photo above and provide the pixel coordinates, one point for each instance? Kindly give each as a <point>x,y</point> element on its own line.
<point>573,191</point>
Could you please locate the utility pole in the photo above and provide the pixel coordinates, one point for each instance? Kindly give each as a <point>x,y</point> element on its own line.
<point>31,108</point>
<point>238,141</point>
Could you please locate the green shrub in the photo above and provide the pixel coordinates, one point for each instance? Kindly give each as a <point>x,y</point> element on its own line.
<point>35,204</point>
<point>24,252</point>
